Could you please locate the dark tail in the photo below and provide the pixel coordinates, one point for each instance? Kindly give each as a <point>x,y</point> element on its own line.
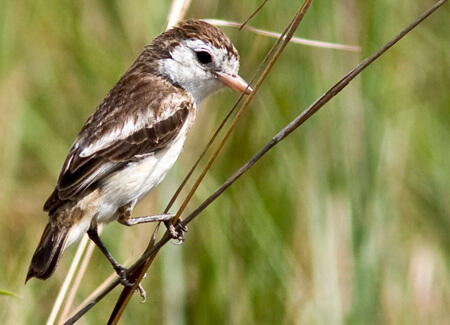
<point>48,252</point>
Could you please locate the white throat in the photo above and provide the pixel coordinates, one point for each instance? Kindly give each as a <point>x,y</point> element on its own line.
<point>190,80</point>
<point>184,69</point>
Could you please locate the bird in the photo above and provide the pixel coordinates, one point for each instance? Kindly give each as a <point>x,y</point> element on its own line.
<point>133,138</point>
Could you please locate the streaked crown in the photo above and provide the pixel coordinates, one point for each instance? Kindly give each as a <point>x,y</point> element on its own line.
<point>190,55</point>
<point>194,30</point>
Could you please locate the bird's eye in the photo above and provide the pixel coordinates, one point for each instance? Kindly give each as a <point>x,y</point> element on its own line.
<point>203,57</point>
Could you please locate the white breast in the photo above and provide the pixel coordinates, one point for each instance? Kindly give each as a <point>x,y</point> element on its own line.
<point>132,183</point>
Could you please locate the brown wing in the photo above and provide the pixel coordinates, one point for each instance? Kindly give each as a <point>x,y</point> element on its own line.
<point>138,117</point>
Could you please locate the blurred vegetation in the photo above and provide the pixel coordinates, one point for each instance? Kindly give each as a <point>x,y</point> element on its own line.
<point>347,221</point>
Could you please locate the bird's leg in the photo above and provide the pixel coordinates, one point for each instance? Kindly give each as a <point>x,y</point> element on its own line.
<point>176,232</point>
<point>120,270</point>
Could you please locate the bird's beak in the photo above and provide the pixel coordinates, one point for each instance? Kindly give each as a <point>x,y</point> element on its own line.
<point>234,82</point>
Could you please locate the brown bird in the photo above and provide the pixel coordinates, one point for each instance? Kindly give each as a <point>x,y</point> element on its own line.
<point>134,137</point>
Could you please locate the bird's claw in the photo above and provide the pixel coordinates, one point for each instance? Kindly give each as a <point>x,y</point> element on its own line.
<point>122,272</point>
<point>142,293</point>
<point>177,231</point>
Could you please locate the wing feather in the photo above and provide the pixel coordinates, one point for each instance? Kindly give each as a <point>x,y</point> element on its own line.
<point>114,136</point>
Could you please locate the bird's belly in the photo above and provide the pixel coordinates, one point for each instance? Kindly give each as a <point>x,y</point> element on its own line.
<point>132,183</point>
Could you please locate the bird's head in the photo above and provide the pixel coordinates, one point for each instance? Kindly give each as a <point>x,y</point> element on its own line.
<point>199,58</point>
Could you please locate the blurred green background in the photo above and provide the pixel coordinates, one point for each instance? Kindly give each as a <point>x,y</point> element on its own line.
<point>346,221</point>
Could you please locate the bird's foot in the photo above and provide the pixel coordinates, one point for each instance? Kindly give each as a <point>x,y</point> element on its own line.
<point>123,279</point>
<point>176,231</point>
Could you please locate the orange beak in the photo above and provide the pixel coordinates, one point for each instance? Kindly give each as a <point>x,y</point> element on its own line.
<point>234,82</point>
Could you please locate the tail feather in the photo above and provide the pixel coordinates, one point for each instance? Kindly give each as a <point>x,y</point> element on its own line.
<point>48,252</point>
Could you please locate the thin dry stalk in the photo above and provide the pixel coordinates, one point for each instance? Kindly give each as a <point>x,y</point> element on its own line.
<point>103,286</point>
<point>253,14</point>
<point>77,281</point>
<point>177,12</point>
<point>311,110</point>
<point>275,140</point>
<point>297,40</point>
<point>68,279</point>
<point>128,292</point>
<point>290,31</point>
